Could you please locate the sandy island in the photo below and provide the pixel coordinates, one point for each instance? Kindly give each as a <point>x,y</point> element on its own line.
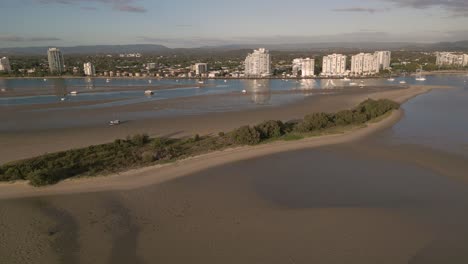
<point>146,176</point>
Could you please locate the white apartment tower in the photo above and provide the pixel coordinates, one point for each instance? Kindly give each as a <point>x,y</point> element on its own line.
<point>89,69</point>
<point>56,62</point>
<point>201,68</point>
<point>449,58</point>
<point>334,65</point>
<point>365,64</point>
<point>5,64</point>
<point>258,63</point>
<point>384,59</point>
<point>307,66</point>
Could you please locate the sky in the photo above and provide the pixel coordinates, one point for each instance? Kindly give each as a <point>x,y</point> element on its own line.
<point>189,23</point>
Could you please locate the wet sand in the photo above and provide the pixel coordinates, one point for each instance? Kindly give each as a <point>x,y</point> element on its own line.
<point>287,202</point>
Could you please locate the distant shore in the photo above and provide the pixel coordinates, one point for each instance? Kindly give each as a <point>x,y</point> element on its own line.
<point>441,72</point>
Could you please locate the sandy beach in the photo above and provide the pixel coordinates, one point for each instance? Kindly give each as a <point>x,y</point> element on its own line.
<point>274,203</point>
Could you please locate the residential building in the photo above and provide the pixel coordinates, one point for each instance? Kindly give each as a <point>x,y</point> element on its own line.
<point>151,66</point>
<point>56,62</point>
<point>334,65</point>
<point>296,66</point>
<point>258,63</point>
<point>451,59</point>
<point>89,69</point>
<point>200,68</point>
<point>306,66</point>
<point>365,64</point>
<point>384,59</point>
<point>5,64</point>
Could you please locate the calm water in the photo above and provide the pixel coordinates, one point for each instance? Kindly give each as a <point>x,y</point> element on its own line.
<point>130,91</point>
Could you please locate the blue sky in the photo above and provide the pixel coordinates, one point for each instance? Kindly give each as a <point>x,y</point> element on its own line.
<point>186,23</point>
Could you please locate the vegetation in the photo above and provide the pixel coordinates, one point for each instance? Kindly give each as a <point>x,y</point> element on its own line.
<point>140,150</point>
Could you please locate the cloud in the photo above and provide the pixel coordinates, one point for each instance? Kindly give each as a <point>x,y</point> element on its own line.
<point>359,10</point>
<point>456,7</point>
<point>118,5</point>
<point>14,38</point>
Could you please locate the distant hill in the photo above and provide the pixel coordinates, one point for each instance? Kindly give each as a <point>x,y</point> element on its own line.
<point>98,49</point>
<point>318,46</point>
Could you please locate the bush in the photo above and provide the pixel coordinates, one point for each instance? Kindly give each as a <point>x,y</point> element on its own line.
<point>343,118</point>
<point>140,140</point>
<point>246,135</point>
<point>314,122</point>
<point>270,129</point>
<point>12,174</point>
<point>43,177</point>
<point>147,156</point>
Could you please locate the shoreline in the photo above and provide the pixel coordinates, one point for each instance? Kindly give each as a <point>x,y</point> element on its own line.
<point>140,177</point>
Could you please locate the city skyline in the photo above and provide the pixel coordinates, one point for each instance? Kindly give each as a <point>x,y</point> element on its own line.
<point>208,22</point>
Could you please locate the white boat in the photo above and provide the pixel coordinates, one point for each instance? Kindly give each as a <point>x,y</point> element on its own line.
<point>150,81</point>
<point>107,80</point>
<point>391,79</point>
<point>73,92</point>
<point>402,82</point>
<point>114,122</point>
<point>62,99</point>
<point>225,81</point>
<point>149,92</point>
<point>201,82</point>
<point>353,84</point>
<point>419,76</point>
<point>45,80</point>
<point>346,79</point>
<point>244,91</point>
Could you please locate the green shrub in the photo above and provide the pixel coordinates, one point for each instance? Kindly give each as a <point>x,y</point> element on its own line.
<point>246,135</point>
<point>221,134</point>
<point>44,177</point>
<point>314,122</point>
<point>147,156</point>
<point>270,129</point>
<point>140,140</point>
<point>343,118</point>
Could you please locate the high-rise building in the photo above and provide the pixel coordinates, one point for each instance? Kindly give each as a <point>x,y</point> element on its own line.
<point>308,67</point>
<point>258,63</point>
<point>89,69</point>
<point>334,65</point>
<point>56,62</point>
<point>384,59</point>
<point>296,66</point>
<point>201,68</point>
<point>449,58</point>
<point>365,64</point>
<point>5,64</point>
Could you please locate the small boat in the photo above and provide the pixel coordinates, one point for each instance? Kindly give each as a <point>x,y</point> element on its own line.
<point>346,79</point>
<point>149,92</point>
<point>62,99</point>
<point>45,80</point>
<point>114,122</point>
<point>108,80</point>
<point>73,92</point>
<point>402,82</point>
<point>353,84</point>
<point>201,82</point>
<point>150,81</point>
<point>225,81</point>
<point>244,91</point>
<point>391,79</point>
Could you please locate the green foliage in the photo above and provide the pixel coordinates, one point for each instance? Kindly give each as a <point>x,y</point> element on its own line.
<point>246,135</point>
<point>270,129</point>
<point>140,150</point>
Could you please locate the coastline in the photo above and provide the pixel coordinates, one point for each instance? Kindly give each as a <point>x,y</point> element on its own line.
<point>145,176</point>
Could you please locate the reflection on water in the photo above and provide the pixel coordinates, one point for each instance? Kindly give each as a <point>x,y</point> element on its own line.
<point>260,91</point>
<point>60,87</point>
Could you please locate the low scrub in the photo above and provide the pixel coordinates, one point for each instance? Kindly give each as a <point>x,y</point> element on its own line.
<point>141,150</point>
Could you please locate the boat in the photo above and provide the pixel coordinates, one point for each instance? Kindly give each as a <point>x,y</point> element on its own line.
<point>391,79</point>
<point>73,92</point>
<point>244,91</point>
<point>149,92</point>
<point>402,82</point>
<point>419,76</point>
<point>114,122</point>
<point>346,79</point>
<point>45,80</point>
<point>353,84</point>
<point>62,99</point>
<point>150,81</point>
<point>225,81</point>
<point>107,80</point>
